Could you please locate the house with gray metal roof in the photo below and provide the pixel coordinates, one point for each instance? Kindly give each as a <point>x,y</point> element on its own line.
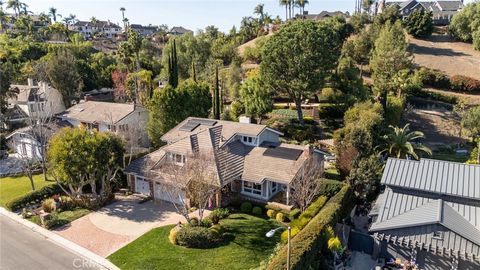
<point>249,160</point>
<point>430,206</point>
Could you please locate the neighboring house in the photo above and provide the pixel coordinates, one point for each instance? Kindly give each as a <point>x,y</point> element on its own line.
<point>121,118</point>
<point>430,210</point>
<point>9,22</point>
<point>39,100</point>
<point>27,142</point>
<point>249,160</point>
<point>144,31</point>
<point>178,31</point>
<point>89,28</point>
<point>324,15</point>
<point>442,11</point>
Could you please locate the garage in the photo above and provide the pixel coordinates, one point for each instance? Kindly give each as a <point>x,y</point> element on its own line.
<point>165,193</point>
<point>142,186</point>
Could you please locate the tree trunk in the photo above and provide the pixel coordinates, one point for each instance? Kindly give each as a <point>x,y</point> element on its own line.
<point>30,177</point>
<point>298,106</point>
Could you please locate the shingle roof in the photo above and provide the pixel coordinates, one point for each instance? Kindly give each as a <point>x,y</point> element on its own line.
<point>434,176</point>
<point>450,5</point>
<point>99,112</point>
<point>98,24</point>
<point>180,30</point>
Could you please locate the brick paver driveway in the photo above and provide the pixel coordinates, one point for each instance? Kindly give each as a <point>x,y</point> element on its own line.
<point>114,226</point>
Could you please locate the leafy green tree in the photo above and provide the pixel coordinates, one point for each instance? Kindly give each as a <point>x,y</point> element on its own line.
<point>390,14</point>
<point>465,25</point>
<point>139,86</point>
<point>400,143</point>
<point>389,57</point>
<point>471,122</point>
<point>169,106</point>
<point>365,175</point>
<point>256,98</point>
<point>78,157</point>
<point>419,23</point>
<point>62,73</point>
<point>296,60</point>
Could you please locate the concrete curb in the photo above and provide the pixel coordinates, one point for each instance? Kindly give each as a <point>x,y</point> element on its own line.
<point>57,239</point>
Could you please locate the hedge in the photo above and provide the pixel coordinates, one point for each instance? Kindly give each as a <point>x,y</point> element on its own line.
<point>308,243</point>
<point>33,197</point>
<point>306,216</point>
<point>464,83</point>
<point>330,187</point>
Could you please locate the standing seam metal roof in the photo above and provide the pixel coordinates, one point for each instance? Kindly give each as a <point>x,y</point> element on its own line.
<point>436,176</point>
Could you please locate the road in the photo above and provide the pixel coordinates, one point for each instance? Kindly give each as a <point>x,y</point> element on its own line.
<point>21,248</point>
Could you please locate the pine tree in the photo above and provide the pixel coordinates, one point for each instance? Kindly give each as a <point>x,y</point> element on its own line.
<point>173,67</point>
<point>194,72</point>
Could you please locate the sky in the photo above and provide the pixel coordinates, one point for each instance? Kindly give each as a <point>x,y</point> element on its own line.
<point>191,14</point>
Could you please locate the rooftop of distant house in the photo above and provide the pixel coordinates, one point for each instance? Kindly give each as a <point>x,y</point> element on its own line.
<point>100,112</point>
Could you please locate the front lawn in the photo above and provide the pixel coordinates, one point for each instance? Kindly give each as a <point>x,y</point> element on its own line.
<point>62,218</point>
<point>17,186</point>
<point>248,248</point>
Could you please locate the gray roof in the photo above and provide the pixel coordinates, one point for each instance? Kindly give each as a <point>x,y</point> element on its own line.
<point>450,5</point>
<point>98,24</point>
<point>399,210</point>
<point>100,112</point>
<point>434,176</point>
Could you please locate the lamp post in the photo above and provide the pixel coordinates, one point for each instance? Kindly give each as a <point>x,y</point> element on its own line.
<point>272,232</point>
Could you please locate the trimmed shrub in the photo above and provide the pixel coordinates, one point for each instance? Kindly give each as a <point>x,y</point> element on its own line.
<point>271,213</point>
<point>33,197</point>
<point>434,78</point>
<point>49,205</point>
<point>217,229</point>
<point>331,110</point>
<point>284,236</point>
<point>280,217</point>
<point>66,203</point>
<point>214,218</point>
<point>294,214</point>
<point>308,242</point>
<point>172,236</point>
<point>330,187</point>
<point>464,83</point>
<point>246,207</point>
<point>198,237</point>
<point>194,221</point>
<point>207,222</point>
<point>257,210</point>
<point>221,212</point>
<point>315,207</point>
<point>395,109</point>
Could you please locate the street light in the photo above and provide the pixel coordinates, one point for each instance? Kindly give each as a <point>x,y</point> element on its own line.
<point>272,232</point>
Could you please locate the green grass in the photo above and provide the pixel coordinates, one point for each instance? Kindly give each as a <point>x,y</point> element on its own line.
<point>64,217</point>
<point>248,248</point>
<point>332,173</point>
<point>17,186</point>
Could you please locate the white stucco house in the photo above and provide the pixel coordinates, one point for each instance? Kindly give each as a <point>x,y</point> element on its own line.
<point>89,28</point>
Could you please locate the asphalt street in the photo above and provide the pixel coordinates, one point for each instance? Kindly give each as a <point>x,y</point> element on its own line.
<point>21,248</point>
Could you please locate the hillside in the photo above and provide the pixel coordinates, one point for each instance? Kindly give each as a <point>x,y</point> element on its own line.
<point>249,44</point>
<point>442,53</point>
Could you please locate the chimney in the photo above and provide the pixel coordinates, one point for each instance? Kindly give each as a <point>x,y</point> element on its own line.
<point>30,82</point>
<point>245,119</point>
<point>308,150</point>
<point>88,97</point>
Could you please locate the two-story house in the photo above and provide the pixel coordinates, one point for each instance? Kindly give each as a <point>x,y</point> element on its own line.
<point>37,100</point>
<point>249,159</point>
<point>120,118</point>
<point>442,10</point>
<point>429,213</point>
<point>144,31</point>
<point>89,28</point>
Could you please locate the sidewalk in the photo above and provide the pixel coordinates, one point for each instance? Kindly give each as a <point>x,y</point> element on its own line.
<point>94,258</point>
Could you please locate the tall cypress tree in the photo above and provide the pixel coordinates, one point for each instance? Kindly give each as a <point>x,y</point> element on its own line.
<point>194,72</point>
<point>173,67</point>
<point>216,97</point>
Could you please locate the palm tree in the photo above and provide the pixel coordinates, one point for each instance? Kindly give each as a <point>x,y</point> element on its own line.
<point>53,13</point>
<point>122,9</point>
<point>285,3</point>
<point>16,5</point>
<point>301,4</point>
<point>259,11</point>
<point>399,143</point>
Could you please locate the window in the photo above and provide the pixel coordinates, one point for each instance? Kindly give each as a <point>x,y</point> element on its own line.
<point>252,188</point>
<point>438,235</point>
<point>274,187</point>
<point>247,139</point>
<point>32,107</point>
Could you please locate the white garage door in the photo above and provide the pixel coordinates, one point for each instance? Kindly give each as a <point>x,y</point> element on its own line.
<point>165,193</point>
<point>142,186</point>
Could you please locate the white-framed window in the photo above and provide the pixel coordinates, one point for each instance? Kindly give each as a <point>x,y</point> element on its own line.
<point>248,140</point>
<point>253,188</point>
<point>177,159</point>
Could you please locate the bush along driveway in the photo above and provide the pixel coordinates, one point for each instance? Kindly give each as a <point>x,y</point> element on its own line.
<point>245,248</point>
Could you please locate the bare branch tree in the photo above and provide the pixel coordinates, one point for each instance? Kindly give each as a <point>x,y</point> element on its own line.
<point>198,177</point>
<point>306,186</point>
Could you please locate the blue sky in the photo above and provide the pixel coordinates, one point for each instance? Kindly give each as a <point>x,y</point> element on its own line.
<point>192,14</point>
